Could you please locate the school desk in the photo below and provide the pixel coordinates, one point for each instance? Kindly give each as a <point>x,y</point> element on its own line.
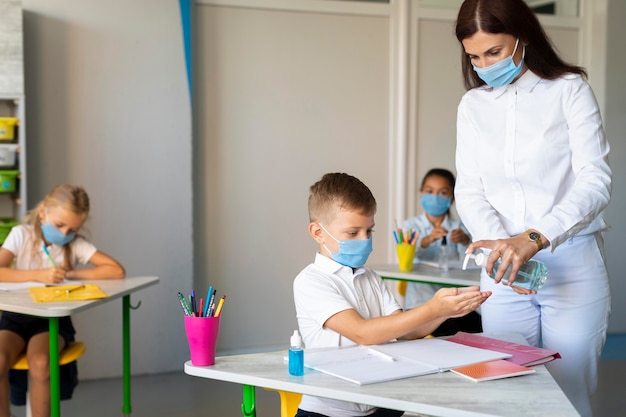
<point>442,394</point>
<point>426,274</point>
<point>20,301</point>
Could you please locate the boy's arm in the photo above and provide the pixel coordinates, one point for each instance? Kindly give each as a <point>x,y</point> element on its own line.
<point>411,324</point>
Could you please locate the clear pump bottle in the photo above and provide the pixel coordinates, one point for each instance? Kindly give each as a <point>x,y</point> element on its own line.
<point>296,355</point>
<point>531,276</point>
<point>443,254</point>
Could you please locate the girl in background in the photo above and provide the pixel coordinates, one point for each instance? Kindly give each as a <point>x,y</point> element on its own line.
<point>51,227</point>
<point>436,228</point>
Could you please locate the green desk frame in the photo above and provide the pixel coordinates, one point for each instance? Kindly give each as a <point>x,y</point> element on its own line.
<point>55,381</point>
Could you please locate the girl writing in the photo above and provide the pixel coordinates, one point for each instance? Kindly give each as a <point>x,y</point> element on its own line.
<point>46,248</point>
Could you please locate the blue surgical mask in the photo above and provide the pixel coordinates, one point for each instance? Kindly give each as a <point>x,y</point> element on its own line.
<point>55,236</point>
<point>503,72</point>
<point>352,253</point>
<point>435,204</point>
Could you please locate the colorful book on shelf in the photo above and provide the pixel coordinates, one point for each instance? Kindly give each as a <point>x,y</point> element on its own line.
<point>520,354</point>
<point>378,363</point>
<point>498,369</point>
<point>61,293</point>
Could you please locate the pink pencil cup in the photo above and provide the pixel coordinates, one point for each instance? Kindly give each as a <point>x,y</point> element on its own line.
<point>202,334</point>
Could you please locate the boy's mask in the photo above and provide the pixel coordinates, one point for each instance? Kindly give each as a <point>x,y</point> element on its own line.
<point>352,253</point>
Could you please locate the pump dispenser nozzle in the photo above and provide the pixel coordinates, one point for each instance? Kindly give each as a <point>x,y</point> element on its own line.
<point>480,259</point>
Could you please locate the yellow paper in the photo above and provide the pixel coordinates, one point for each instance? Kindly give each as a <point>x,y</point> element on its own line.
<point>66,293</point>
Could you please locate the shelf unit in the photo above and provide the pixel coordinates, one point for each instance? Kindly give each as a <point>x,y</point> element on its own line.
<point>13,204</point>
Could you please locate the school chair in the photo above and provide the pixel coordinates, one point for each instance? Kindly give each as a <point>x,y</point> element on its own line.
<point>71,353</point>
<point>289,402</point>
<point>402,288</point>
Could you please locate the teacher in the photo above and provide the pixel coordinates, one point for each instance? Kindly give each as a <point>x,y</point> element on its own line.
<point>532,180</point>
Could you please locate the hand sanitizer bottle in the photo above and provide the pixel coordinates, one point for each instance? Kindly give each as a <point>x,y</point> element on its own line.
<point>443,254</point>
<point>531,276</point>
<point>296,355</point>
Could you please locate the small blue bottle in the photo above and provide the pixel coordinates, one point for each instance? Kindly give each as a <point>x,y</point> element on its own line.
<point>531,276</point>
<point>296,355</point>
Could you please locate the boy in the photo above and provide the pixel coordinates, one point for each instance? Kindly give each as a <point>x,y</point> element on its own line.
<point>340,303</point>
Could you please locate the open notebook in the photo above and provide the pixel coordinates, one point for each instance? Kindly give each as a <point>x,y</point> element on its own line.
<point>378,363</point>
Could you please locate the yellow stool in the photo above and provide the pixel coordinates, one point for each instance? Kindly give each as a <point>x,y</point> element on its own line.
<point>289,402</point>
<point>72,352</point>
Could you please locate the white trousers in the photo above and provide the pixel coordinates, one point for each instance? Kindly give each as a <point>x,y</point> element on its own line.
<point>569,314</point>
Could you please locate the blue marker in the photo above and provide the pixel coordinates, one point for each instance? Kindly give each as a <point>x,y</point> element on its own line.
<point>208,301</point>
<point>45,249</point>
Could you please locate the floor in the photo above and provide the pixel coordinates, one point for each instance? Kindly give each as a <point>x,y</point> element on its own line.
<point>181,395</point>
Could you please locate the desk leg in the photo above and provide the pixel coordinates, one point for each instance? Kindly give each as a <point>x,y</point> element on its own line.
<point>248,407</point>
<point>126,408</point>
<point>55,379</point>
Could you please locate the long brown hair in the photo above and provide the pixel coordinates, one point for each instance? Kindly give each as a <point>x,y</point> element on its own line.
<point>69,197</point>
<point>515,18</point>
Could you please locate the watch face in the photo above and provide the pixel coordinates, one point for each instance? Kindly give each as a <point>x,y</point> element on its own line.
<point>534,236</point>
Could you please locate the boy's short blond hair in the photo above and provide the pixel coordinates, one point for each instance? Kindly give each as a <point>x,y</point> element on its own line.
<point>336,191</point>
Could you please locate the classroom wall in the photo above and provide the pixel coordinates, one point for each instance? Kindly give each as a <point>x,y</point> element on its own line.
<point>108,108</point>
<point>283,97</point>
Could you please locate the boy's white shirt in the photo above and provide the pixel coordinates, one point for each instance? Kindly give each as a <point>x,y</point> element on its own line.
<point>325,288</point>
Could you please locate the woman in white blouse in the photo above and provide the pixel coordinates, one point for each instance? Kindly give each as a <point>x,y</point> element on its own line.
<point>532,180</point>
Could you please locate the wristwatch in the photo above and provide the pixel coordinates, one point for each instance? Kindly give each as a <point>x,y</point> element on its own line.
<point>535,237</point>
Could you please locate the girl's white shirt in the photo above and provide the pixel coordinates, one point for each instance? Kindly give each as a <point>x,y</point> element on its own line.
<point>532,154</point>
<point>19,242</point>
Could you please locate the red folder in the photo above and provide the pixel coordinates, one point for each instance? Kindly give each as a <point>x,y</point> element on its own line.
<point>522,354</point>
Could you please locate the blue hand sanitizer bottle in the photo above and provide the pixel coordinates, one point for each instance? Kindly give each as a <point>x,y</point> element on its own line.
<point>296,355</point>
<point>531,276</point>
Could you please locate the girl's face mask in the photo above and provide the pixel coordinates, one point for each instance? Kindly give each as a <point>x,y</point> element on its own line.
<point>435,204</point>
<point>53,235</point>
<point>352,253</point>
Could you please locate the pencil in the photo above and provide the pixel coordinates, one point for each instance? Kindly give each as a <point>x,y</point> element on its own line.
<point>218,310</point>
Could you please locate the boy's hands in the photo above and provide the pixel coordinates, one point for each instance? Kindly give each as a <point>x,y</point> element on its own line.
<point>457,302</point>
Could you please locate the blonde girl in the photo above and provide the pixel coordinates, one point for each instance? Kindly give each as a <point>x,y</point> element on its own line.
<point>46,248</point>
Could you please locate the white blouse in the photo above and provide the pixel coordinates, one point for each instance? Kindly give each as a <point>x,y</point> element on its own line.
<point>532,154</point>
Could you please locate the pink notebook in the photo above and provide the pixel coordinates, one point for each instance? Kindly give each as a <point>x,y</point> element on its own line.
<point>522,354</point>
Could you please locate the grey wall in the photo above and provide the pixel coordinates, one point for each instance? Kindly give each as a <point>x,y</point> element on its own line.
<point>107,107</point>
<point>615,123</point>
<point>283,97</point>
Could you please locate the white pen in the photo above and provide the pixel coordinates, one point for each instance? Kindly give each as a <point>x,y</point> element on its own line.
<point>382,355</point>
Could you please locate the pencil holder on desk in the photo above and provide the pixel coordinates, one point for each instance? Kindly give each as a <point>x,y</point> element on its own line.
<point>406,253</point>
<point>202,334</point>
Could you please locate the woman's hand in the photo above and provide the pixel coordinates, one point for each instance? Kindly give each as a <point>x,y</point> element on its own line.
<point>514,251</point>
